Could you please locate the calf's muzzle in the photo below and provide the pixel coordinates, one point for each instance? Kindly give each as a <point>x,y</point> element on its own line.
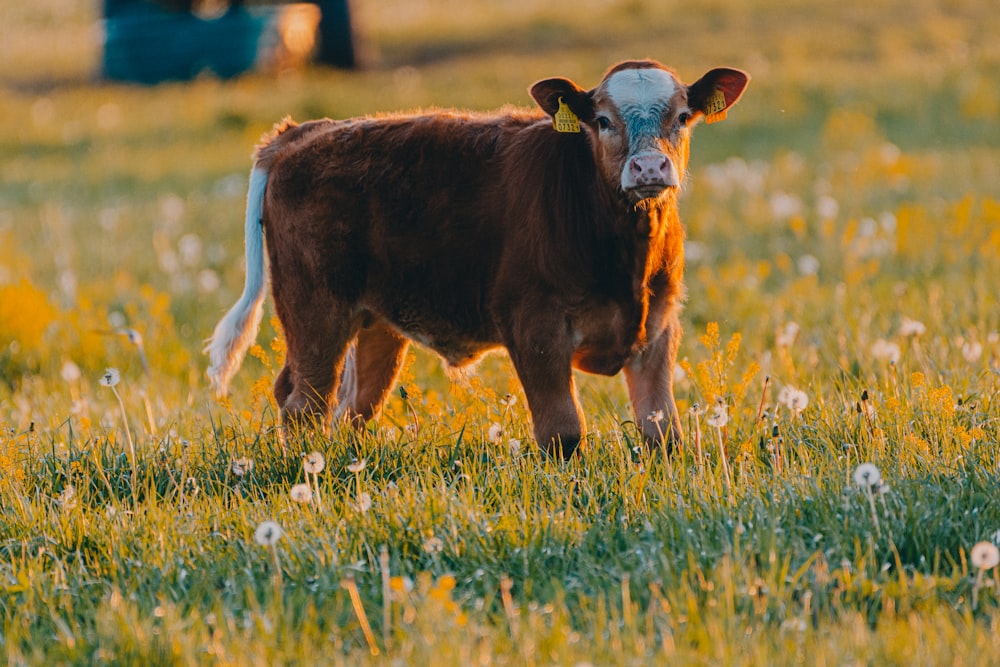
<point>648,174</point>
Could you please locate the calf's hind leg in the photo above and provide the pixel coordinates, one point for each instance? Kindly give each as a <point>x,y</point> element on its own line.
<point>316,346</point>
<point>370,370</point>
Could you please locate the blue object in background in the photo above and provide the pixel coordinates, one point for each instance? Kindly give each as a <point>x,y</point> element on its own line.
<point>146,43</point>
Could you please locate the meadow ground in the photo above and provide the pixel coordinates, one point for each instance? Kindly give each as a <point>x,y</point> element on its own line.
<point>844,304</point>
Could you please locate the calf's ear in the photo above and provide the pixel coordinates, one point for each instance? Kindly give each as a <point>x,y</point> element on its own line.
<point>718,90</point>
<point>548,92</point>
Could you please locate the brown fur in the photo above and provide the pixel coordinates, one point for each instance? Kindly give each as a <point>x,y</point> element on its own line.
<point>466,232</point>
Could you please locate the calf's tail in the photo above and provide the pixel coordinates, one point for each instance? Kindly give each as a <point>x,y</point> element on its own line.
<point>237,330</point>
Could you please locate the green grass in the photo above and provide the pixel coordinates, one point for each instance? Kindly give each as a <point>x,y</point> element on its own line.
<point>855,186</point>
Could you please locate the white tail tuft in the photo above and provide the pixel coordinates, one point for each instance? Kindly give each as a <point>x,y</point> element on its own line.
<point>237,330</point>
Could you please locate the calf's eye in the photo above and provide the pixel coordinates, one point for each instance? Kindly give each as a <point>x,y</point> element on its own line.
<point>603,122</point>
<point>683,118</point>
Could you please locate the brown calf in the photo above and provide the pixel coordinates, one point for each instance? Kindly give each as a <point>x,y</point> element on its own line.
<point>555,236</point>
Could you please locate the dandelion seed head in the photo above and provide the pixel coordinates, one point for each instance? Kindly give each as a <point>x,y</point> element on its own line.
<point>433,545</point>
<point>208,281</point>
<point>886,350</point>
<point>313,463</point>
<point>495,432</point>
<point>508,400</point>
<point>972,350</point>
<point>656,416</point>
<point>785,206</point>
<point>719,416</point>
<point>268,533</point>
<point>514,446</point>
<point>356,466</point>
<point>786,335</point>
<point>827,207</point>
<point>67,498</point>
<point>867,475</point>
<point>794,399</point>
<point>807,265</point>
<point>70,372</point>
<point>364,502</point>
<point>242,466</point>
<point>301,493</point>
<point>985,556</point>
<point>110,378</point>
<point>908,327</point>
<point>679,373</point>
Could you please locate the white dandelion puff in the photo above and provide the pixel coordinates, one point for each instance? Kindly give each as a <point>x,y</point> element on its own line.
<point>495,433</point>
<point>514,446</point>
<point>827,207</point>
<point>433,545</point>
<point>70,372</point>
<point>301,493</point>
<point>356,466</point>
<point>719,416</point>
<point>886,350</point>
<point>808,265</point>
<point>67,498</point>
<point>985,556</point>
<point>242,466</point>
<point>313,463</point>
<point>679,373</point>
<point>268,533</point>
<point>787,334</point>
<point>364,503</point>
<point>908,327</point>
<point>110,378</point>
<point>867,475</point>
<point>972,350</point>
<point>794,399</point>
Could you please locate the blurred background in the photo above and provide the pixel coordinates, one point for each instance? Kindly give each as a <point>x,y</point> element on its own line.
<point>127,129</point>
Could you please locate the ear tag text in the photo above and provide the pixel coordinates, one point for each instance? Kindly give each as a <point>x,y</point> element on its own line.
<point>715,107</point>
<point>565,120</point>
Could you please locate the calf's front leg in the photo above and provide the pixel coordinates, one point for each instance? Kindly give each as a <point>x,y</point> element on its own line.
<point>546,375</point>
<point>650,379</point>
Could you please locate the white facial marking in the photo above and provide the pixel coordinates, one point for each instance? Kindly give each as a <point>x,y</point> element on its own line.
<point>641,88</point>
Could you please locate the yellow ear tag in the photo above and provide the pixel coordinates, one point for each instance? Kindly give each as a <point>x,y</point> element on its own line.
<point>715,107</point>
<point>565,120</point>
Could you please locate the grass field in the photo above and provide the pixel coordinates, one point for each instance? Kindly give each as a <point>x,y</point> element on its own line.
<point>844,241</point>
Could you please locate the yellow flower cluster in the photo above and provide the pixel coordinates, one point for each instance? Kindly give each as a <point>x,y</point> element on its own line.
<point>711,376</point>
<point>25,315</point>
<point>11,471</point>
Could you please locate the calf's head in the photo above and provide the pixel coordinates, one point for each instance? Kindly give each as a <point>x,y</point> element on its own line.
<point>639,120</point>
